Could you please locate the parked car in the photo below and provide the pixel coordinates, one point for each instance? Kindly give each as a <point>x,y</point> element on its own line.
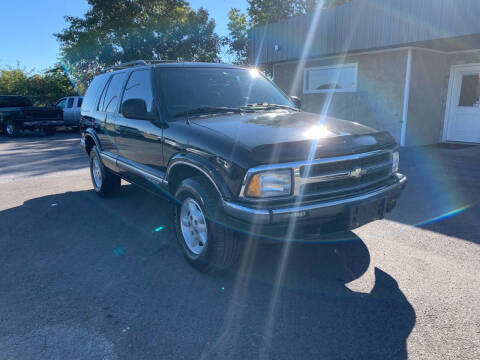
<point>234,153</point>
<point>18,113</point>
<point>71,110</point>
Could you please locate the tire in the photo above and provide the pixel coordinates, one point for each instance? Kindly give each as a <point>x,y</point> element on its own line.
<point>221,247</point>
<point>11,128</point>
<point>105,183</point>
<point>49,131</point>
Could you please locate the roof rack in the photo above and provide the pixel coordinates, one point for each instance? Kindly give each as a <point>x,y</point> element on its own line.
<point>137,63</point>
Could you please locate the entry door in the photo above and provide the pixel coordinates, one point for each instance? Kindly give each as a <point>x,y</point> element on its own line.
<point>463,116</point>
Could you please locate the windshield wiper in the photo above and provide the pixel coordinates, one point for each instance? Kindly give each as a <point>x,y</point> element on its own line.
<point>268,106</point>
<point>208,110</point>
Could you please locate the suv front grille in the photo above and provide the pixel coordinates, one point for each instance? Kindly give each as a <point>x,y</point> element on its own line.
<point>330,177</point>
<point>334,176</point>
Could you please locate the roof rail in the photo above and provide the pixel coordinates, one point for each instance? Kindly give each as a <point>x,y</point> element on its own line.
<point>136,63</point>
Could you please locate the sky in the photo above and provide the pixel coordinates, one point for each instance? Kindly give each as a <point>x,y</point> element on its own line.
<point>27,27</point>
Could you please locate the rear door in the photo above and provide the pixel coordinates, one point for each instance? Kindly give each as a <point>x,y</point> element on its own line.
<point>76,110</point>
<point>106,112</point>
<point>68,112</point>
<point>139,141</point>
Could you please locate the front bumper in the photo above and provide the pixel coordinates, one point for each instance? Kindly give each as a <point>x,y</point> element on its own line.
<point>316,212</point>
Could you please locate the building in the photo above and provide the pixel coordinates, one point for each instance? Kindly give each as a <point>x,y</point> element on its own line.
<point>411,67</point>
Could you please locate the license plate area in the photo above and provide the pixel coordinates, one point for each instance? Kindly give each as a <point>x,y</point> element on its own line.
<point>363,214</point>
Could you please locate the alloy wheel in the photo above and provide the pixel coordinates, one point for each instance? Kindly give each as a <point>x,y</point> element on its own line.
<point>193,225</point>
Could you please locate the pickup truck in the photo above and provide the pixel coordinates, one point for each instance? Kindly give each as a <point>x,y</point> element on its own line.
<point>71,110</point>
<point>235,155</point>
<point>18,113</point>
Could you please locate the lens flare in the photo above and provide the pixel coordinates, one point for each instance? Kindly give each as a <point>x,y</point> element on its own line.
<point>69,77</point>
<point>445,215</point>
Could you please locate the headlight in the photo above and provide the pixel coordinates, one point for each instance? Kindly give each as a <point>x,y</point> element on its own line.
<point>395,161</point>
<point>270,184</point>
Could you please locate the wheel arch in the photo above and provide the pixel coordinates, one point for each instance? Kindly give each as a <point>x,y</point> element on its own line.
<point>186,165</point>
<point>91,140</point>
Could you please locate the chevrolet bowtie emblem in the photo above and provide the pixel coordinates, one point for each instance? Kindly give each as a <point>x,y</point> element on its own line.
<point>358,172</point>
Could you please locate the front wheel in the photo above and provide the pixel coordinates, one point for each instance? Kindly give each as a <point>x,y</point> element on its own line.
<point>206,244</point>
<point>104,181</point>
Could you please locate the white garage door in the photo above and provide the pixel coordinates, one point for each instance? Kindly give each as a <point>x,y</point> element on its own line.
<point>462,121</point>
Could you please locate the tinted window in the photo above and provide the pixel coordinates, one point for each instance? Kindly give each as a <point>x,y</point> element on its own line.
<point>102,97</point>
<point>13,101</point>
<point>61,104</point>
<point>70,103</point>
<point>79,102</point>
<point>113,92</point>
<point>91,96</point>
<point>139,86</point>
<point>191,88</point>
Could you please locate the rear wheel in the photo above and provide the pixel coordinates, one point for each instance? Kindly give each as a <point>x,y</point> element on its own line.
<point>104,181</point>
<point>206,244</point>
<point>11,129</point>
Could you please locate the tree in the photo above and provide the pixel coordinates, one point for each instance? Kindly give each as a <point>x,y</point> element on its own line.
<point>42,89</point>
<point>114,31</point>
<point>238,28</point>
<point>261,12</point>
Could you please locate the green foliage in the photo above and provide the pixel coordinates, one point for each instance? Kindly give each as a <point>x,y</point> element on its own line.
<point>115,31</point>
<point>42,89</point>
<point>238,28</point>
<point>261,12</point>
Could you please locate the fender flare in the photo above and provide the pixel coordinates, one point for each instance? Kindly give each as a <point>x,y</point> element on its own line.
<point>90,133</point>
<point>204,166</point>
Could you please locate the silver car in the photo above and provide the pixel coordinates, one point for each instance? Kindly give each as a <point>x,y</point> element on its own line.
<point>71,110</point>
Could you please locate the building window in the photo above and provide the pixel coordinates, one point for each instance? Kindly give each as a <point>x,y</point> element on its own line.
<point>470,91</point>
<point>335,78</point>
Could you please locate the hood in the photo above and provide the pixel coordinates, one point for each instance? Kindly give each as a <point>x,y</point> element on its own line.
<point>284,135</point>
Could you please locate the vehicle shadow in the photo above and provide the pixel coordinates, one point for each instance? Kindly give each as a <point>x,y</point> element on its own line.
<point>112,266</point>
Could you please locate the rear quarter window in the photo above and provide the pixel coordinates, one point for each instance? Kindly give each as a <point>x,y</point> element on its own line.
<point>90,99</point>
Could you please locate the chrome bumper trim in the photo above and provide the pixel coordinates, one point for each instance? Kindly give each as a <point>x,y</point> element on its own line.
<point>270,216</point>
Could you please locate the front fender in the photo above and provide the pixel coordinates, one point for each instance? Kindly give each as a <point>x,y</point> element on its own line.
<point>204,166</point>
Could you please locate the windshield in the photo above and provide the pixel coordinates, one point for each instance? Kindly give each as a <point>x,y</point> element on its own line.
<point>186,89</point>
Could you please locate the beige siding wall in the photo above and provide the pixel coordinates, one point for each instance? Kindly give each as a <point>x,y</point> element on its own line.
<point>378,101</point>
<point>429,92</point>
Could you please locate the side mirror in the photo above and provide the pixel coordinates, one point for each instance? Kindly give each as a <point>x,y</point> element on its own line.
<point>136,109</point>
<point>296,101</point>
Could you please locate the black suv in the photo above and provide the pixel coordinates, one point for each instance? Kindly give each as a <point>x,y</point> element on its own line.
<point>235,154</point>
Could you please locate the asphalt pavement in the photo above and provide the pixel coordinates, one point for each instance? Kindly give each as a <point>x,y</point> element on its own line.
<point>89,278</point>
